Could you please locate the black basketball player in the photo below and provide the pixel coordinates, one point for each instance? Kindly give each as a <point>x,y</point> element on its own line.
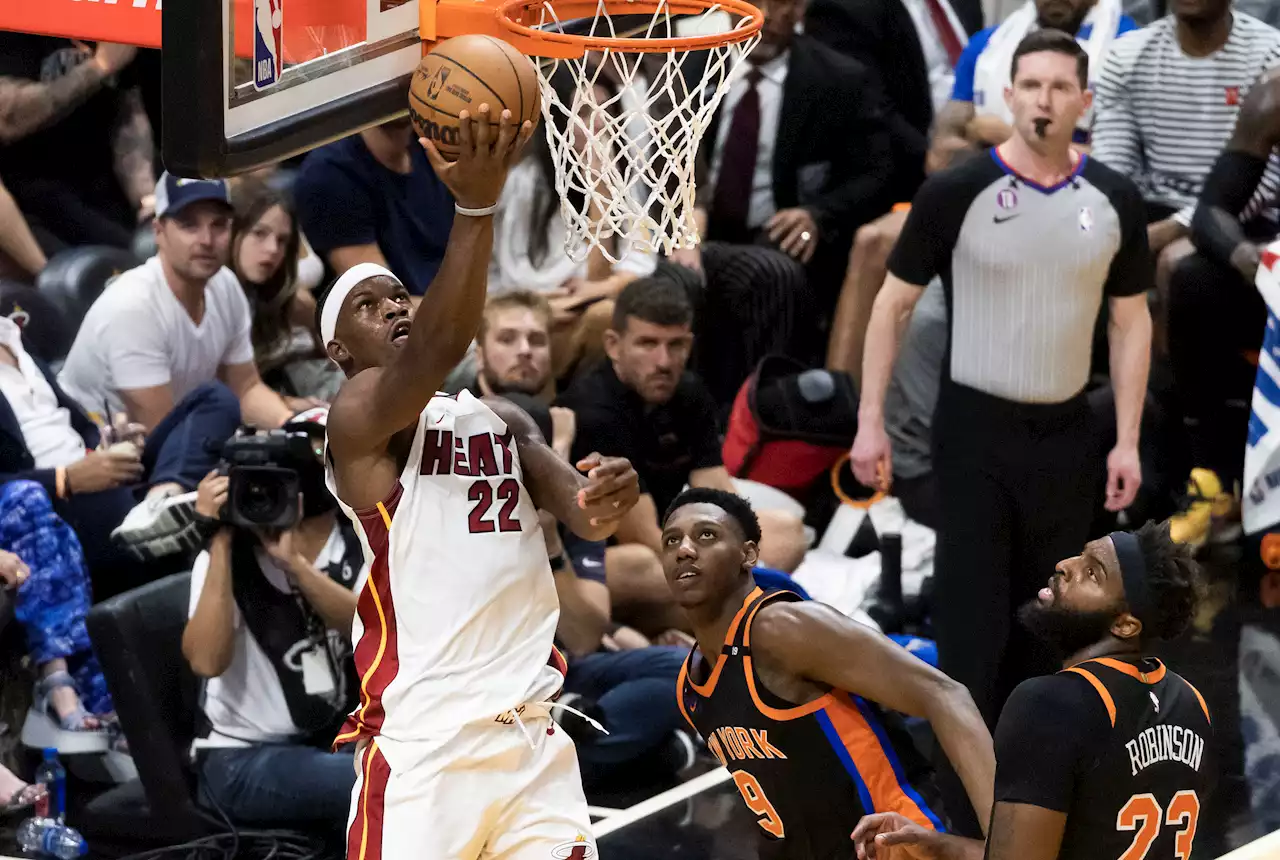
<point>1110,757</point>
<point>785,693</point>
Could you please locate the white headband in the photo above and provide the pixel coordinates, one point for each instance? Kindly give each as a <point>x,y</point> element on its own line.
<point>338,294</point>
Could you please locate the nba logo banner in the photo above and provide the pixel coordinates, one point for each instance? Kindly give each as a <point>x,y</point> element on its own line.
<point>268,43</point>
<point>1261,503</point>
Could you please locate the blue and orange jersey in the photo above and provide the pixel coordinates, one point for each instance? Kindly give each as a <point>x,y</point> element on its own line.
<point>807,771</point>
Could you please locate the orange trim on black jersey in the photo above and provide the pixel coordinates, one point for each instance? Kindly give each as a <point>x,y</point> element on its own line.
<point>684,676</point>
<point>781,713</point>
<point>1155,676</point>
<point>709,687</point>
<point>1199,698</point>
<point>1103,692</point>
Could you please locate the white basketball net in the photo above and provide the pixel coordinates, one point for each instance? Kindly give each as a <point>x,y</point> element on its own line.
<point>625,143</point>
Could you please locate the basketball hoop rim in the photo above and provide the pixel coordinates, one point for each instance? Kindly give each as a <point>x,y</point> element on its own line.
<point>510,11</point>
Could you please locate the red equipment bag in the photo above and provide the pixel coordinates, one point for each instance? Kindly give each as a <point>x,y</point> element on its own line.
<point>789,424</point>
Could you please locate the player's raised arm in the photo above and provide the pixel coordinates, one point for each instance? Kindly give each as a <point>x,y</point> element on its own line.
<point>590,504</point>
<point>386,396</point>
<point>818,643</point>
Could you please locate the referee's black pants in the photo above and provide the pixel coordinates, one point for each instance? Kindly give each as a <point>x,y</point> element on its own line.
<point>1018,486</point>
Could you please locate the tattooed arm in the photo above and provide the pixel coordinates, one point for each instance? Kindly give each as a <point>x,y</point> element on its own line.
<point>28,106</point>
<point>133,150</point>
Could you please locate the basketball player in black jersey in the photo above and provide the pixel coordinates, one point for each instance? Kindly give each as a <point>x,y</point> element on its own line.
<point>786,693</point>
<point>1112,756</point>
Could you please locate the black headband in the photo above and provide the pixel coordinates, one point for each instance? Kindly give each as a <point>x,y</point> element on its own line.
<point>1133,570</point>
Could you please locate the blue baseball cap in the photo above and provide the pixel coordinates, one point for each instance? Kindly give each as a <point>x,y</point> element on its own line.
<point>173,194</point>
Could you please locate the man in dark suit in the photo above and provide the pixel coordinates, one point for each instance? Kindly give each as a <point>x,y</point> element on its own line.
<point>798,155</point>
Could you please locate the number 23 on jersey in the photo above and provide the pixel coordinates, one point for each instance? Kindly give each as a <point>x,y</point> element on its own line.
<point>1142,813</point>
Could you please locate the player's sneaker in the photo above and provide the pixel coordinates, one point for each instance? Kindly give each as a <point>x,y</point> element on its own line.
<point>1209,513</point>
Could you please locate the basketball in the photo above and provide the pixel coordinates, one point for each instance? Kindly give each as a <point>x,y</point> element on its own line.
<point>463,73</point>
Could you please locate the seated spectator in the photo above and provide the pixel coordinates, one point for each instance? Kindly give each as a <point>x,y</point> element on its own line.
<point>41,558</point>
<point>1210,57</point>
<point>265,244</point>
<point>529,254</point>
<point>21,256</point>
<point>642,404</point>
<point>912,46</point>
<point>268,618</point>
<point>977,115</point>
<point>373,198</point>
<point>168,344</point>
<point>17,796</point>
<point>513,349</point>
<point>76,149</point>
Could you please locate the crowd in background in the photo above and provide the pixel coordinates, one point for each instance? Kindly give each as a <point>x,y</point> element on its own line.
<point>112,419</point>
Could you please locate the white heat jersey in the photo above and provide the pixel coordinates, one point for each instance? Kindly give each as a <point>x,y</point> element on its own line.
<point>457,619</point>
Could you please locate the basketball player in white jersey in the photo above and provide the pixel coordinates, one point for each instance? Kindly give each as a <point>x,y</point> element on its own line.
<point>458,758</point>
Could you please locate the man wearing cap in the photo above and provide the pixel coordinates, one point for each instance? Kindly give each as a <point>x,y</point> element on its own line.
<point>167,344</point>
<point>1112,756</point>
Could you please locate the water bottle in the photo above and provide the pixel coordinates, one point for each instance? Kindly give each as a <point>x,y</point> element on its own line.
<point>53,776</point>
<point>48,838</point>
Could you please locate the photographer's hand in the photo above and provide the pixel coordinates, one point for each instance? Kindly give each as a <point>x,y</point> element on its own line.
<point>211,495</point>
<point>280,547</point>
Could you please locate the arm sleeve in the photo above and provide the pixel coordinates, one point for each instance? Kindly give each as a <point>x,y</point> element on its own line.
<point>1117,139</point>
<point>928,237</point>
<point>967,65</point>
<point>1045,738</point>
<point>335,210</point>
<point>1215,227</point>
<point>1133,268</point>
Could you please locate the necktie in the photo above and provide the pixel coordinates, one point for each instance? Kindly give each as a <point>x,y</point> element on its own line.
<point>732,200</point>
<point>946,33</point>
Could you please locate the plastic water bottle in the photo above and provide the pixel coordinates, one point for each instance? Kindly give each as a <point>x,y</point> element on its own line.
<point>48,838</point>
<point>53,776</point>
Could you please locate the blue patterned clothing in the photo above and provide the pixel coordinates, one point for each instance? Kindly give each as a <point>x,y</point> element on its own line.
<point>54,600</point>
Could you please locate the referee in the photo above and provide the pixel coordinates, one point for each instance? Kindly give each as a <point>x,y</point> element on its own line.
<point>1027,242</point>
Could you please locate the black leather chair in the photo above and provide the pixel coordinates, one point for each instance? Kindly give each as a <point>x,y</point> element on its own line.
<point>73,279</point>
<point>45,329</point>
<point>138,639</point>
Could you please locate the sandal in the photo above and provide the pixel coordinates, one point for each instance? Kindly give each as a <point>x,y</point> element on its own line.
<point>23,799</point>
<point>78,720</point>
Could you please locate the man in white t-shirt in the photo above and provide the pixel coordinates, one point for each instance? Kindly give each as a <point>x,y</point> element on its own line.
<point>268,627</point>
<point>167,343</point>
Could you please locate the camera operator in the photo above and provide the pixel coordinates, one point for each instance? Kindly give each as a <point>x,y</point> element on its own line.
<point>269,621</point>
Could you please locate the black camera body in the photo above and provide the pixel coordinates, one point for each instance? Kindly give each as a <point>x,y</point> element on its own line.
<point>264,482</point>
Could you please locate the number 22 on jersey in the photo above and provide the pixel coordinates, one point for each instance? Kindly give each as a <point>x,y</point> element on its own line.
<point>1142,813</point>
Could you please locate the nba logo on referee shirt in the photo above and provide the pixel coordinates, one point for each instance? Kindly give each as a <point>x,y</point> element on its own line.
<point>1007,199</point>
<point>268,43</point>
<point>1086,219</point>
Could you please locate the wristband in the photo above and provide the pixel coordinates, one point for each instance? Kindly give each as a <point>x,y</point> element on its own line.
<point>60,481</point>
<point>475,213</point>
<point>556,561</point>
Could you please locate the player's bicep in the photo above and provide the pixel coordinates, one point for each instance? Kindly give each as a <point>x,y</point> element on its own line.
<point>1020,831</point>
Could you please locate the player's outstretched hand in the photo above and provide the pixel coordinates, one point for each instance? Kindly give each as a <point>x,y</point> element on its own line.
<point>488,148</point>
<point>612,489</point>
<point>890,836</point>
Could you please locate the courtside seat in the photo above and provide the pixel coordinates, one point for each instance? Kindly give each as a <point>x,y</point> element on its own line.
<point>76,277</point>
<point>44,327</point>
<point>138,639</point>
<point>144,242</point>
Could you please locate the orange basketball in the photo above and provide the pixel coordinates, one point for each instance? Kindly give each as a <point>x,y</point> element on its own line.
<point>463,73</point>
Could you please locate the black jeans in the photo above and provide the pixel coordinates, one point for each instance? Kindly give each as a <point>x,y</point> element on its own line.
<point>1215,319</point>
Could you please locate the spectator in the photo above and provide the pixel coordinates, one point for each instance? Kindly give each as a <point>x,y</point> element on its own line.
<point>528,254</point>
<point>265,245</point>
<point>1167,100</point>
<point>912,46</point>
<point>20,253</point>
<point>513,348</point>
<point>373,198</point>
<point>45,437</point>
<point>41,557</point>
<point>798,153</point>
<point>168,344</point>
<point>642,404</point>
<point>267,621</point>
<point>16,795</point>
<point>977,115</point>
<point>1217,318</point>
<point>76,149</point>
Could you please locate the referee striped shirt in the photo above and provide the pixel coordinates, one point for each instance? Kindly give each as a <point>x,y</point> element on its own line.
<point>1024,268</point>
<point>1163,118</point>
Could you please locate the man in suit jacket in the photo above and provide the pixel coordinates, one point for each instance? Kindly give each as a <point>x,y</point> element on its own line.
<point>798,155</point>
